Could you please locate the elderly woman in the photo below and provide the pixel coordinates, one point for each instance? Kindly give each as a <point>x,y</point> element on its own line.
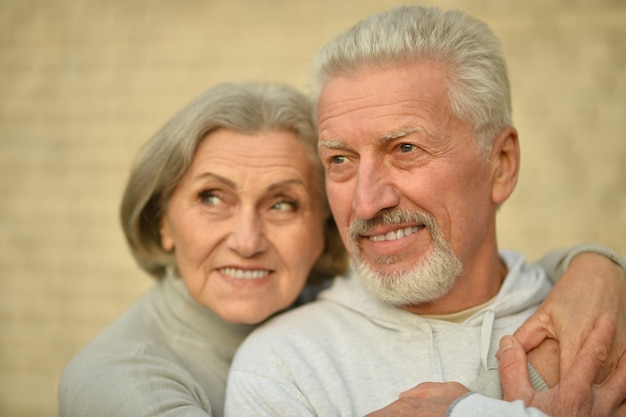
<point>226,208</point>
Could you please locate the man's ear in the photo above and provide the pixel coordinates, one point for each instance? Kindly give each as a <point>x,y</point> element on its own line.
<point>505,163</point>
<point>167,241</point>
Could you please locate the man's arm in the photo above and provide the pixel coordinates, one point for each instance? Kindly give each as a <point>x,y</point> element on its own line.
<point>451,399</point>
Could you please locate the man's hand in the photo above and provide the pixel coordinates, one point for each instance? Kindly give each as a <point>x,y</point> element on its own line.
<point>430,399</point>
<point>592,285</point>
<point>576,394</point>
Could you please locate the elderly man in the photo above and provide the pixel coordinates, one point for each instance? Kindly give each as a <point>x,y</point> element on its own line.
<point>415,133</point>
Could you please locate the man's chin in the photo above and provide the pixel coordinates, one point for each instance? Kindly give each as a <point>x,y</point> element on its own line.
<point>388,268</point>
<point>412,284</point>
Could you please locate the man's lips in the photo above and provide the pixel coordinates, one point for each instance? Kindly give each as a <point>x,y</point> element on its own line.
<point>395,234</point>
<point>239,273</point>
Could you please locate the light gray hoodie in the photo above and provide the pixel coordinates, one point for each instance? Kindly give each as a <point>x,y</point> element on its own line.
<point>348,354</point>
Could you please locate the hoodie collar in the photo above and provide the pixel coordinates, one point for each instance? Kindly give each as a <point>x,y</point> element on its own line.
<point>523,287</point>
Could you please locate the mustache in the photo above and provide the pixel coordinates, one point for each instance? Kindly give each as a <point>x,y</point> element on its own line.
<point>391,217</point>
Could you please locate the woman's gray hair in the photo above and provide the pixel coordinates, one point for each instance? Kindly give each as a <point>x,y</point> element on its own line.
<point>163,161</point>
<point>476,72</point>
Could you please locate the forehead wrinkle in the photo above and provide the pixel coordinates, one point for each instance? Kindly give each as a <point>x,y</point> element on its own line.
<point>229,183</point>
<point>286,184</point>
<point>216,177</point>
<point>405,131</point>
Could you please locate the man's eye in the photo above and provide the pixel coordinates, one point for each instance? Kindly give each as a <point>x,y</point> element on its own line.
<point>337,160</point>
<point>406,147</point>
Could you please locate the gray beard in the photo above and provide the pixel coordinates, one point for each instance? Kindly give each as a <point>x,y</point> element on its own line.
<point>430,279</point>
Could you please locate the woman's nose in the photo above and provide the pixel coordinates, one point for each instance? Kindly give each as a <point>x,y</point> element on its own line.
<point>247,237</point>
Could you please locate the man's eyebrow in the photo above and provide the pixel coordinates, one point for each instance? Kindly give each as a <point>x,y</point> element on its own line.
<point>400,133</point>
<point>332,144</point>
<point>406,131</point>
<point>395,134</point>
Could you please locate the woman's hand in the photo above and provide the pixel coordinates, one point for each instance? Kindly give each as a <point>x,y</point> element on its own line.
<point>592,285</point>
<point>576,394</point>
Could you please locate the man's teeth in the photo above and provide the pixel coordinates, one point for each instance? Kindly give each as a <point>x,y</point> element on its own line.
<point>244,274</point>
<point>394,235</point>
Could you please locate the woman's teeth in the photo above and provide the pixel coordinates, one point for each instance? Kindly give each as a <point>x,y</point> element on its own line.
<point>244,274</point>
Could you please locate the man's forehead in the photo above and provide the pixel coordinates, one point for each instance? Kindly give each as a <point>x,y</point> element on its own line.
<point>368,94</point>
<point>326,141</point>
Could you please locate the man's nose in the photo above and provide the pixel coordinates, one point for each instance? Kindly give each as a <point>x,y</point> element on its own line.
<point>375,190</point>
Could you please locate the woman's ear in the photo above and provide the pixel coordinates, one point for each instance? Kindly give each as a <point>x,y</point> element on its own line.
<point>505,162</point>
<point>167,240</point>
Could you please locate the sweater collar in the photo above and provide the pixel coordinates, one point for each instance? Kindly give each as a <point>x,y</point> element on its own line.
<point>195,321</point>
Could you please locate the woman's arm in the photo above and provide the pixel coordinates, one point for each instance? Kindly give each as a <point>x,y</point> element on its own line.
<point>591,281</point>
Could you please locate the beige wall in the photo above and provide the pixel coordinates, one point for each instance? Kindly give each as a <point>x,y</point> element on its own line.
<point>84,83</point>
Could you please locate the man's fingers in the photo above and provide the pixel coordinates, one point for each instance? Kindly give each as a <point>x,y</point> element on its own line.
<point>415,392</point>
<point>532,332</point>
<point>614,387</point>
<point>513,367</point>
<point>594,353</point>
<point>621,411</point>
<point>537,328</point>
<point>569,350</point>
<point>435,389</point>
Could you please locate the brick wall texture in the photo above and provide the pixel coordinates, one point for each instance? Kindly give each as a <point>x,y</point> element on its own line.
<point>83,83</point>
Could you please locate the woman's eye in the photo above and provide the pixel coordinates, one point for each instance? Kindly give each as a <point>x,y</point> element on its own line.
<point>406,147</point>
<point>210,198</point>
<point>285,206</point>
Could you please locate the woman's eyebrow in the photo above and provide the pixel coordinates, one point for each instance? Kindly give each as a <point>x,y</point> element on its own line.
<point>285,184</point>
<point>216,177</point>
